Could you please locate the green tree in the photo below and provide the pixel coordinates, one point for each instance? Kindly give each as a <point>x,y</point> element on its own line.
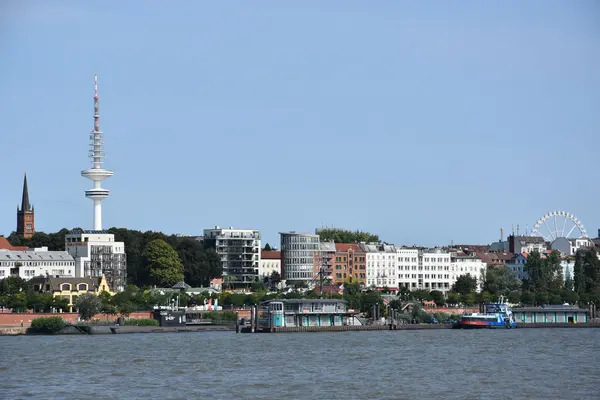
<point>164,265</point>
<point>267,247</point>
<point>553,273</point>
<point>12,285</point>
<point>438,297</point>
<point>200,265</point>
<point>17,302</point>
<point>485,297</point>
<point>454,298</point>
<point>528,298</point>
<point>465,284</point>
<point>60,304</point>
<point>537,281</point>
<point>541,298</point>
<point>346,236</point>
<point>500,281</point>
<point>88,305</point>
<point>421,295</point>
<point>514,297</point>
<point>579,278</point>
<point>570,296</point>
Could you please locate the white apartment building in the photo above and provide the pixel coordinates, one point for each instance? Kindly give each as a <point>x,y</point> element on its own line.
<point>424,269</point>
<point>37,262</point>
<point>463,264</point>
<point>381,266</point>
<point>435,269</point>
<point>270,261</point>
<point>96,253</point>
<point>239,251</point>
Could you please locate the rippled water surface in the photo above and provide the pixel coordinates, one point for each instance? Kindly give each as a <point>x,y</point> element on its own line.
<point>429,364</point>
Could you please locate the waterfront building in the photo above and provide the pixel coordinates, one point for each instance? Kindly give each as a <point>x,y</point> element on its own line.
<point>325,268</point>
<point>350,265</point>
<point>425,269</point>
<point>25,214</point>
<point>526,244</point>
<point>548,314</point>
<point>436,269</point>
<point>300,257</point>
<point>70,288</point>
<point>97,254</point>
<point>27,264</point>
<point>517,265</point>
<point>305,312</point>
<point>463,264</point>
<point>381,266</point>
<point>270,261</point>
<point>239,251</point>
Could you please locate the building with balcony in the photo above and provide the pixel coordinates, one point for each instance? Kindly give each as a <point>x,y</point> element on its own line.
<point>300,257</point>
<point>239,251</point>
<point>350,265</point>
<point>36,262</point>
<point>97,254</point>
<point>325,267</point>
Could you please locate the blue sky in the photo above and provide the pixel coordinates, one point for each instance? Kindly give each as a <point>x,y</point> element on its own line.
<point>424,122</point>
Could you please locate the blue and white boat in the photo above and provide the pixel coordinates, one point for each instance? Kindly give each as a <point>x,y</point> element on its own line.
<point>497,315</point>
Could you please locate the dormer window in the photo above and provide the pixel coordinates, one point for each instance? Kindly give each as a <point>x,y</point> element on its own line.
<point>82,286</point>
<point>65,286</point>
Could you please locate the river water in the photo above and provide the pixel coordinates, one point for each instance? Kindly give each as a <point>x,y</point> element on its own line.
<point>428,364</point>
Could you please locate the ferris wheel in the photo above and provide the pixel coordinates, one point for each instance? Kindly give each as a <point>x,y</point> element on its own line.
<point>559,224</point>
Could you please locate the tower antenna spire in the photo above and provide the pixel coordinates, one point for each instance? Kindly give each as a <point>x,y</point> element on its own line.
<point>97,174</point>
<point>96,105</point>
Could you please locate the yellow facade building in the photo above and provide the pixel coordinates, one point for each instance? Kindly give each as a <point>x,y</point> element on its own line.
<point>70,288</point>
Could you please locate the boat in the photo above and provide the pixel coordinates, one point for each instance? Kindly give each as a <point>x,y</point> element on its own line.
<point>496,315</point>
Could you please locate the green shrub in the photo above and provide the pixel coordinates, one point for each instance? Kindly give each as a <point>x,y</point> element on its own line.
<point>142,322</point>
<point>219,315</point>
<point>47,324</point>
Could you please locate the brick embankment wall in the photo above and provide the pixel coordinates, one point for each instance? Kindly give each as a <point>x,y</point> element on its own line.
<point>353,328</point>
<point>559,325</point>
<point>15,319</point>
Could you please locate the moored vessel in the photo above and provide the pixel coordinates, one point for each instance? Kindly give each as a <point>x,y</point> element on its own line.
<point>496,315</point>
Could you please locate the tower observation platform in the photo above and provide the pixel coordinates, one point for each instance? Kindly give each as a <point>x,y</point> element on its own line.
<point>97,174</point>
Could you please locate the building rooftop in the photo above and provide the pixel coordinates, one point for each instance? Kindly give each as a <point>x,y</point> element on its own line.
<point>270,255</point>
<point>80,231</point>
<point>550,308</point>
<point>345,247</point>
<point>5,245</point>
<point>300,301</point>
<point>31,255</point>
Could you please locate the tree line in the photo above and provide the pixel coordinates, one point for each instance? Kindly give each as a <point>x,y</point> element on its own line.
<point>346,236</point>
<point>153,258</point>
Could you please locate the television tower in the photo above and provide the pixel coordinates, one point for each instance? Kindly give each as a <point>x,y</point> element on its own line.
<point>97,174</point>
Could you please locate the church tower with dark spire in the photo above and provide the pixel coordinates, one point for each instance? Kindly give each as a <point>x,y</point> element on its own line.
<point>25,214</point>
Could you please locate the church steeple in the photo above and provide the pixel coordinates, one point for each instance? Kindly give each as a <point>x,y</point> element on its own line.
<point>25,206</point>
<point>25,215</point>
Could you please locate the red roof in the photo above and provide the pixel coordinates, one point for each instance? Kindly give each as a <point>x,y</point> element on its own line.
<point>5,245</point>
<point>344,247</point>
<point>270,255</point>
